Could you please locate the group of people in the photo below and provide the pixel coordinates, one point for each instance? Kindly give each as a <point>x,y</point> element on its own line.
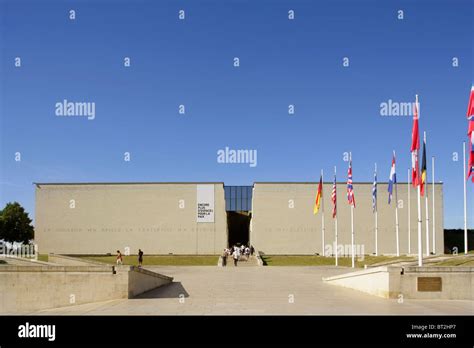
<point>119,259</point>
<point>238,253</point>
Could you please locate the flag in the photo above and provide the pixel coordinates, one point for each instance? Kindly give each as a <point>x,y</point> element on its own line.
<point>423,169</point>
<point>350,189</point>
<point>374,193</point>
<point>392,179</point>
<point>470,134</point>
<point>334,198</point>
<point>317,202</point>
<point>415,146</point>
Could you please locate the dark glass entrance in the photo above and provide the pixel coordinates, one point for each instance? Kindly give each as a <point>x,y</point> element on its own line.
<point>238,204</point>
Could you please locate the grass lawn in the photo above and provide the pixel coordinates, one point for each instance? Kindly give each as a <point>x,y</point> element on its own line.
<point>303,260</point>
<point>457,261</point>
<point>161,260</point>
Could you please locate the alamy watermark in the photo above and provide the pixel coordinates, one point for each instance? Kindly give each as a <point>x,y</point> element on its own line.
<point>228,155</point>
<point>29,251</point>
<point>394,108</point>
<point>344,250</point>
<point>67,108</point>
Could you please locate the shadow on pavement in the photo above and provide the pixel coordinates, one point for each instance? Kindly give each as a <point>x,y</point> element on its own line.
<point>172,290</point>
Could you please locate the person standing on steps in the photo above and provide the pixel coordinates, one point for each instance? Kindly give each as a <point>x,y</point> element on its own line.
<point>224,258</point>
<point>235,256</point>
<point>140,257</point>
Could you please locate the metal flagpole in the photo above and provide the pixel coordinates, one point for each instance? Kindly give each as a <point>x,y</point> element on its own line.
<point>352,221</point>
<point>465,194</point>
<point>352,235</point>
<point>335,220</point>
<point>418,193</point>
<point>396,213</point>
<point>322,212</point>
<point>420,247</point>
<point>427,219</point>
<point>433,200</point>
<point>376,220</point>
<point>409,214</point>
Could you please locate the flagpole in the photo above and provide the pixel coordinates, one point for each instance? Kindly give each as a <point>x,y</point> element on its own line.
<point>335,220</point>
<point>376,220</point>
<point>433,200</point>
<point>409,214</point>
<point>465,194</point>
<point>420,247</point>
<point>352,235</point>
<point>418,193</point>
<point>322,212</point>
<point>396,213</point>
<point>352,222</point>
<point>427,219</point>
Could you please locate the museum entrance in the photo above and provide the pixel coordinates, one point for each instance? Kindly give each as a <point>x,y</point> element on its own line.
<point>238,204</point>
<point>238,225</point>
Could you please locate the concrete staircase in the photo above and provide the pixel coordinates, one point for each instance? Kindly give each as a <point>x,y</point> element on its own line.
<point>251,262</point>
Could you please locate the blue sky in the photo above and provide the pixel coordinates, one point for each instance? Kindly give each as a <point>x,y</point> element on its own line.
<point>190,62</point>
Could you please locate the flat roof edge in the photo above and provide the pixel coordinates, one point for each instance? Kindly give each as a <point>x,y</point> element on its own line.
<point>337,182</point>
<point>213,182</point>
<point>129,183</point>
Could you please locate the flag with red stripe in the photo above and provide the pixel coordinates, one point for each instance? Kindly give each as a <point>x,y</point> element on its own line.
<point>415,146</point>
<point>317,201</point>
<point>470,134</point>
<point>350,188</point>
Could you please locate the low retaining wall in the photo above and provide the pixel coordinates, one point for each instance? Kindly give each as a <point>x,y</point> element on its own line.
<point>21,261</point>
<point>449,283</point>
<point>72,261</point>
<point>455,283</point>
<point>259,258</point>
<point>141,280</point>
<point>374,281</point>
<point>26,289</point>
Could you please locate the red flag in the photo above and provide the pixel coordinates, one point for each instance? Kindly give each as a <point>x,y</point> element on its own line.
<point>470,134</point>
<point>415,146</point>
<point>470,106</point>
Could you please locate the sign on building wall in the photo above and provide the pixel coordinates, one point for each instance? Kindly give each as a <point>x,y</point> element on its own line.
<point>205,203</point>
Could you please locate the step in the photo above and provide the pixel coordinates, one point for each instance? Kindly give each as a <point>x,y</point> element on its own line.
<point>251,262</point>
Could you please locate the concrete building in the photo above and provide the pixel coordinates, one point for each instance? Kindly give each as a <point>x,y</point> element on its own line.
<point>159,218</point>
<point>283,220</point>
<point>204,218</point>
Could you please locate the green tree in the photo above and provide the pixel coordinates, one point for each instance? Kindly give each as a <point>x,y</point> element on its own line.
<point>15,224</point>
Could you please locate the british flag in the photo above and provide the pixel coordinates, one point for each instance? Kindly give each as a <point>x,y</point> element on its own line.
<point>334,198</point>
<point>350,189</point>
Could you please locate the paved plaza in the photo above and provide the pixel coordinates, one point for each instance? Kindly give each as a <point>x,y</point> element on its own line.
<point>259,290</point>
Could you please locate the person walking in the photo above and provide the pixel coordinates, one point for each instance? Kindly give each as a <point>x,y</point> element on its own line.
<point>224,258</point>
<point>140,257</point>
<point>119,258</point>
<point>235,256</point>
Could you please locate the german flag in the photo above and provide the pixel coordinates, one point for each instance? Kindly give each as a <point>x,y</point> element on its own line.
<point>317,202</point>
<point>423,168</point>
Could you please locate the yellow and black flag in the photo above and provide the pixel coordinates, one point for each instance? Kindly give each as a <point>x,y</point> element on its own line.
<point>317,201</point>
<point>423,168</point>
